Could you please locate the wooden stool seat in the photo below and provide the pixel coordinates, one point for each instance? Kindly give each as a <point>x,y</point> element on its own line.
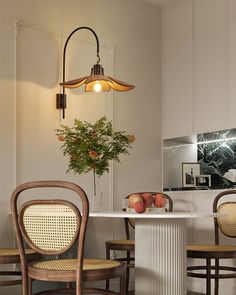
<point>122,245</point>
<point>211,251</point>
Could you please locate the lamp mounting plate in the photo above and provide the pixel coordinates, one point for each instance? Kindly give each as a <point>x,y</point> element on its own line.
<point>61,101</point>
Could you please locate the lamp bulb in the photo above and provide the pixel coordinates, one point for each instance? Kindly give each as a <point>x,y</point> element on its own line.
<point>97,87</point>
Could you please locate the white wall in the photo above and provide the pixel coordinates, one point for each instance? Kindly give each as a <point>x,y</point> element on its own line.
<point>133,28</point>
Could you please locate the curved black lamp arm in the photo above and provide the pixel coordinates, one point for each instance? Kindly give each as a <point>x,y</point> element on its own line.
<point>65,46</point>
<point>62,97</point>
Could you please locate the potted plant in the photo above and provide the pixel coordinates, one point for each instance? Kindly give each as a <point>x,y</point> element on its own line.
<point>90,147</point>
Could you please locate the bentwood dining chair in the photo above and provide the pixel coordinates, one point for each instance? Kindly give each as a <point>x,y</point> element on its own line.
<point>11,256</point>
<point>128,245</point>
<point>224,225</point>
<point>51,226</point>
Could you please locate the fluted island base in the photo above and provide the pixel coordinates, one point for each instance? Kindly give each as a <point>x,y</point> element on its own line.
<point>160,257</point>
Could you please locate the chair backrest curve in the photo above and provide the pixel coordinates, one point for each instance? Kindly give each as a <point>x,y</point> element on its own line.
<point>226,223</point>
<point>44,223</point>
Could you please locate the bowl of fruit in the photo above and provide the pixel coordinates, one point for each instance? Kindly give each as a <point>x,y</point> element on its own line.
<point>146,202</point>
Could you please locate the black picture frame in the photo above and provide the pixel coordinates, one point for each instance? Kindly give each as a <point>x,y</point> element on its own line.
<point>189,171</point>
<point>203,180</point>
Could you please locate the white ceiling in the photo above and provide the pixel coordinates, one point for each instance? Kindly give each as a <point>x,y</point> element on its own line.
<point>159,2</point>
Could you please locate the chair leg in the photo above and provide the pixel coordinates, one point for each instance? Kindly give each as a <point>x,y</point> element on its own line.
<point>216,292</point>
<point>127,281</point>
<point>25,284</point>
<point>127,272</point>
<point>208,276</point>
<point>30,287</point>
<point>122,285</point>
<point>107,257</point>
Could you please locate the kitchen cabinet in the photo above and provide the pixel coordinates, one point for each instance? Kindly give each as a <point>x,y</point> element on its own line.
<point>199,67</point>
<point>177,70</point>
<point>210,99</point>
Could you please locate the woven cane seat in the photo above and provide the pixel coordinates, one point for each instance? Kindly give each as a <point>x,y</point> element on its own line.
<point>211,251</point>
<point>71,264</point>
<point>211,248</point>
<point>11,255</point>
<point>13,251</point>
<point>67,268</point>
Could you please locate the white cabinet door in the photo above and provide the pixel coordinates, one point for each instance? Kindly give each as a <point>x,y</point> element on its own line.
<point>177,70</point>
<point>210,65</point>
<point>199,67</point>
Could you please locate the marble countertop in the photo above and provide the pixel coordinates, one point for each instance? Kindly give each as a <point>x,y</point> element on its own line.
<point>159,215</point>
<point>196,188</point>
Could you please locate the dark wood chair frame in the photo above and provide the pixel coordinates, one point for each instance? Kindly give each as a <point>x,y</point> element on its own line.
<point>14,259</point>
<point>215,255</point>
<point>129,248</point>
<point>10,260</point>
<point>79,276</point>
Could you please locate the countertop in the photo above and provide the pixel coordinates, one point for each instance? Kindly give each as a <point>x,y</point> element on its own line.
<point>196,188</point>
<point>159,215</point>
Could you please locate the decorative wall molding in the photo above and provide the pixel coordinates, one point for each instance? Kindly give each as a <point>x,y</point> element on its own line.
<point>19,24</point>
<point>175,3</point>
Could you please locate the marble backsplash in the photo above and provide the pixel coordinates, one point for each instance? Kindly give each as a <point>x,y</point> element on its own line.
<point>217,157</point>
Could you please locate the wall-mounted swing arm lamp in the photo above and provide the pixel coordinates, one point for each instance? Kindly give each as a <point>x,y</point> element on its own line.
<point>96,82</point>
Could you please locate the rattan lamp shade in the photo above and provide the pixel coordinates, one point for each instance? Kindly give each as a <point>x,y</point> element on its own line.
<point>97,82</point>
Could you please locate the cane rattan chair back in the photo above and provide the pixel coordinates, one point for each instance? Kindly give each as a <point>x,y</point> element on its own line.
<point>128,244</point>
<point>227,222</point>
<point>51,227</point>
<point>226,225</point>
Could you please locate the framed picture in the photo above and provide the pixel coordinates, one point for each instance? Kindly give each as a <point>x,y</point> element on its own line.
<point>203,180</point>
<point>189,171</point>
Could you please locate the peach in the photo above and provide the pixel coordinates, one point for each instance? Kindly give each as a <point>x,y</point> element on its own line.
<point>139,207</point>
<point>160,200</point>
<point>134,199</point>
<point>147,199</point>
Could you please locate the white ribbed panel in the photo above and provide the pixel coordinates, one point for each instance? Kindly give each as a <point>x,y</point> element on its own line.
<point>160,257</point>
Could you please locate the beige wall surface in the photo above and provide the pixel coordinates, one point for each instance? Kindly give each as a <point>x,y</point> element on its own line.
<point>130,32</point>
